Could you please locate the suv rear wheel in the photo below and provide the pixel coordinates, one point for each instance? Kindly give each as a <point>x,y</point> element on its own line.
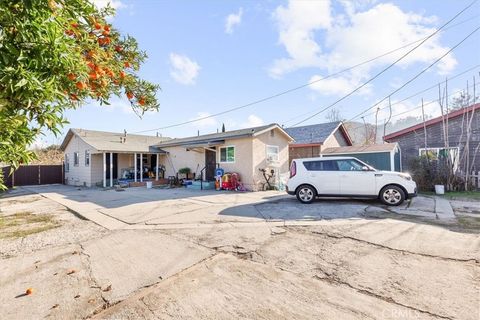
<point>306,194</point>
<point>392,195</point>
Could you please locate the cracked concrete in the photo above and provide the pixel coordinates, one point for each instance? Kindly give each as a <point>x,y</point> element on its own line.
<point>245,256</point>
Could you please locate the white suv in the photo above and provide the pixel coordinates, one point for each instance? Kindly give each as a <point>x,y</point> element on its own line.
<point>347,177</point>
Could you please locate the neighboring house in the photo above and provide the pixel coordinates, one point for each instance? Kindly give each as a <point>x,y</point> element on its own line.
<point>311,140</point>
<point>244,151</point>
<point>98,158</point>
<point>385,156</point>
<point>413,143</point>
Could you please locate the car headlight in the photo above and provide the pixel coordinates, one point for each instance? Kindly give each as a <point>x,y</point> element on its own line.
<point>405,176</point>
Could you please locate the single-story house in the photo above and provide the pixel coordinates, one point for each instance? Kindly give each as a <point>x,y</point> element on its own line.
<point>245,151</point>
<point>100,158</point>
<point>415,141</point>
<point>310,140</point>
<point>385,156</point>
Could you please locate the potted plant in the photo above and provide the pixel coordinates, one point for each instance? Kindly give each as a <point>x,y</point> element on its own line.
<point>186,171</point>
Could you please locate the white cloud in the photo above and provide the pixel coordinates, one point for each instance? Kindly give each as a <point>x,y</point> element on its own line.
<point>338,85</point>
<point>297,24</point>
<point>209,122</point>
<point>353,37</point>
<point>184,70</point>
<point>252,121</point>
<point>232,20</point>
<point>115,4</point>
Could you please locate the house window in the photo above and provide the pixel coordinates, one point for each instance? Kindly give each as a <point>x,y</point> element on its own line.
<point>87,158</point>
<point>67,163</point>
<point>75,159</point>
<point>435,154</point>
<point>227,154</point>
<point>272,153</point>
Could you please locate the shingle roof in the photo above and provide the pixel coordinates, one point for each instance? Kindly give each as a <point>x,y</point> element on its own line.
<point>214,137</point>
<point>316,133</point>
<point>111,141</point>
<point>386,147</point>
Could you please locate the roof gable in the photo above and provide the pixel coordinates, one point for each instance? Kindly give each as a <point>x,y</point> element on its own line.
<point>317,133</point>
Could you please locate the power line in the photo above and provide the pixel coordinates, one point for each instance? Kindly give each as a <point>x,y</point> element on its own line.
<point>418,74</point>
<point>315,81</point>
<point>388,67</point>
<point>404,99</point>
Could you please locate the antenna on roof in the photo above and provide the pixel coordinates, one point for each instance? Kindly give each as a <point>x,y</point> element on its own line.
<point>198,133</point>
<point>157,134</point>
<point>124,132</point>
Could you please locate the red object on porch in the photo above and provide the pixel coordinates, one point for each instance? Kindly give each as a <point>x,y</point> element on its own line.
<point>230,181</point>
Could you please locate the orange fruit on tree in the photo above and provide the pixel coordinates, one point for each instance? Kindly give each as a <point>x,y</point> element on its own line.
<point>106,33</point>
<point>74,25</point>
<point>127,64</point>
<point>71,76</point>
<point>118,48</point>
<point>106,28</point>
<point>122,74</point>
<point>93,75</point>
<point>80,85</point>
<point>98,26</point>
<point>129,95</point>
<point>141,101</point>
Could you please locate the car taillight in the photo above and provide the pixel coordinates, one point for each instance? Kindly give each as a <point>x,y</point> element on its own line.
<point>293,169</point>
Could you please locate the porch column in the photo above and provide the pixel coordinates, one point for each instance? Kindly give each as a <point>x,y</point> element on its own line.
<point>156,169</point>
<point>104,170</point>
<point>141,167</point>
<point>135,166</point>
<point>111,169</point>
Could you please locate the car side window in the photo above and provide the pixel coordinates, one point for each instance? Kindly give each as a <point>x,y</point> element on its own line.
<point>349,165</point>
<point>328,165</point>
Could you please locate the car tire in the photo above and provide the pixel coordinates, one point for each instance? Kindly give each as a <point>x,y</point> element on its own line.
<point>392,195</point>
<point>306,194</point>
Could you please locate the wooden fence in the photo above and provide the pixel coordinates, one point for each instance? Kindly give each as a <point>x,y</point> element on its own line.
<point>475,179</point>
<point>27,175</point>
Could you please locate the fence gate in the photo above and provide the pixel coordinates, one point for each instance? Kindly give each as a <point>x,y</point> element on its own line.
<point>27,175</point>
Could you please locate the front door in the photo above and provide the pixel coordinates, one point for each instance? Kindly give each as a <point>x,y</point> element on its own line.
<point>210,164</point>
<point>115,165</point>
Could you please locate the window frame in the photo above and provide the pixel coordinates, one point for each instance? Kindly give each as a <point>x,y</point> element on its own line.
<point>276,154</point>
<point>76,159</point>
<point>322,166</point>
<point>87,158</point>
<point>351,161</point>
<point>66,162</point>
<point>226,154</point>
<point>437,153</point>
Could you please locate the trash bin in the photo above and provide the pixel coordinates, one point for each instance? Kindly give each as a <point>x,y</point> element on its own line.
<point>149,184</point>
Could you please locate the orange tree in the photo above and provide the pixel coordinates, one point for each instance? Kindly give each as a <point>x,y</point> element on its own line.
<point>55,55</point>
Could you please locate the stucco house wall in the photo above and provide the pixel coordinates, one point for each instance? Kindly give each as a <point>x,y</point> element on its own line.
<point>260,161</point>
<point>79,175</point>
<point>179,157</point>
<point>337,139</point>
<point>243,160</point>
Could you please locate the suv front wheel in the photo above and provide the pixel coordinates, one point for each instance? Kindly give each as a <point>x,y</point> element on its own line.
<point>306,194</point>
<point>392,195</point>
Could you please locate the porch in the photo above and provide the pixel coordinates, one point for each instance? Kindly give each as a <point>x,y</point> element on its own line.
<point>134,169</point>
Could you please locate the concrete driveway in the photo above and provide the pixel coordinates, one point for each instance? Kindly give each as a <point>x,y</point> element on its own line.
<point>141,208</point>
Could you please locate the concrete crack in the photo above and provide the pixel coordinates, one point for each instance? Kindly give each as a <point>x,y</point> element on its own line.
<point>338,236</point>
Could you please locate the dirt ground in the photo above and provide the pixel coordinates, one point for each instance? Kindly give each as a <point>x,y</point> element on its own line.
<point>349,267</point>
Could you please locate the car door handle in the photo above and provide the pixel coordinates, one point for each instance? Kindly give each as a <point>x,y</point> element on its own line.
<point>378,174</point>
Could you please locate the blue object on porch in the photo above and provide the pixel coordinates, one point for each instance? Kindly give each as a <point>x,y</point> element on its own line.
<point>187,182</point>
<point>219,172</point>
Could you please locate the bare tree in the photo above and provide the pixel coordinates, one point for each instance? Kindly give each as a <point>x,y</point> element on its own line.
<point>334,115</point>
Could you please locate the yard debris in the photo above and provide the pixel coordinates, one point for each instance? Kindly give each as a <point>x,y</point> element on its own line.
<point>77,296</point>
<point>29,291</point>
<point>71,271</point>
<point>107,288</point>
<point>56,305</point>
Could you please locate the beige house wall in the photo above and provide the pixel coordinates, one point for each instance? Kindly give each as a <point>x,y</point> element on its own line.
<point>179,157</point>
<point>78,175</point>
<point>243,160</point>
<point>96,162</point>
<point>260,143</point>
<point>250,156</point>
<point>335,140</point>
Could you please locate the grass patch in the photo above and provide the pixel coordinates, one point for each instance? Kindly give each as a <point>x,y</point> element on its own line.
<point>457,195</point>
<point>25,223</point>
<point>469,222</point>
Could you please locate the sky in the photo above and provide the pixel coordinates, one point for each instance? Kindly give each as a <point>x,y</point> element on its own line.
<point>211,56</point>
